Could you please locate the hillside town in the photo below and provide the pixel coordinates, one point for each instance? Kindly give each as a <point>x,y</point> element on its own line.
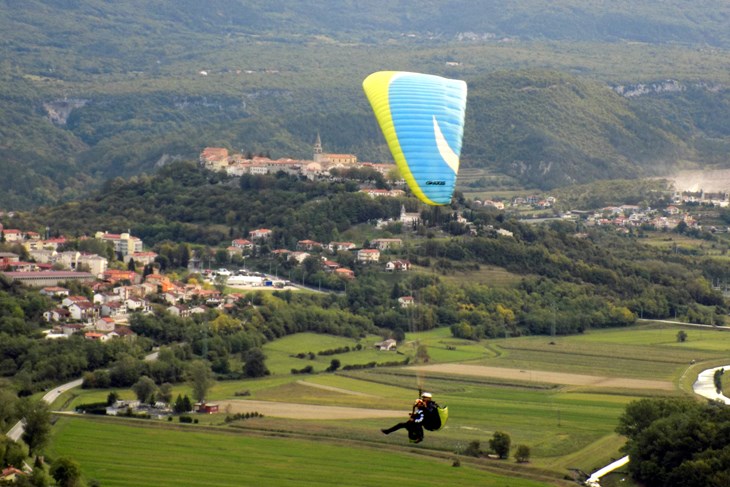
<point>120,290</point>
<point>322,163</point>
<point>133,281</point>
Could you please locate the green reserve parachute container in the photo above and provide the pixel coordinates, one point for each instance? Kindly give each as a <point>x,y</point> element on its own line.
<point>422,119</point>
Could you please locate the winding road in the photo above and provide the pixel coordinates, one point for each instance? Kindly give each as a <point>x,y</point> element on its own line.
<point>17,431</point>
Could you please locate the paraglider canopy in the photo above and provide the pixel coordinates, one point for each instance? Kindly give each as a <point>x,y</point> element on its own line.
<point>422,119</point>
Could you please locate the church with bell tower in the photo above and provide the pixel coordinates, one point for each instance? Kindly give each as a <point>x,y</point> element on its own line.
<point>334,159</point>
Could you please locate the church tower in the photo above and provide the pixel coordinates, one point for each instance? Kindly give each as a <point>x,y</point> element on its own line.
<point>318,156</point>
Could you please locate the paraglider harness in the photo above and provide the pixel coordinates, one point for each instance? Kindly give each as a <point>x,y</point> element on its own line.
<point>434,416</point>
<point>428,415</point>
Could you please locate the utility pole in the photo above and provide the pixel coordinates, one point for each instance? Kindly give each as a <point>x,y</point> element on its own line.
<point>552,328</point>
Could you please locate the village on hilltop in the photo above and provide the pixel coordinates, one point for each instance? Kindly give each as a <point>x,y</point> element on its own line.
<point>121,291</point>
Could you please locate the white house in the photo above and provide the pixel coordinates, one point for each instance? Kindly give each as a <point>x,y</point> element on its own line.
<point>398,266</point>
<point>368,255</point>
<point>385,243</point>
<point>386,345</point>
<point>137,304</point>
<point>82,311</point>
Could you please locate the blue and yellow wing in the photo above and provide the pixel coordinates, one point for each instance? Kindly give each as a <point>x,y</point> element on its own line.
<point>422,119</point>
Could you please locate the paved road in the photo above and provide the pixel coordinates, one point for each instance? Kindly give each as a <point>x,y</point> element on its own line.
<point>705,385</point>
<point>17,431</point>
<point>692,325</point>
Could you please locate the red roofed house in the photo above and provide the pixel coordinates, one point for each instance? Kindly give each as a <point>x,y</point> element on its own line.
<point>406,301</point>
<point>10,474</point>
<point>242,243</point>
<point>308,245</point>
<point>162,282</point>
<point>12,235</point>
<point>206,408</point>
<point>330,265</point>
<point>105,324</point>
<point>54,243</point>
<point>345,273</point>
<point>92,335</point>
<point>114,275</point>
<point>260,234</point>
<point>68,301</point>
<point>55,292</point>
<point>214,158</point>
<point>337,246</point>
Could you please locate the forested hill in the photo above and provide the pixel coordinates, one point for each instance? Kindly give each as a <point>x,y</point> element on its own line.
<point>91,90</point>
<point>96,25</point>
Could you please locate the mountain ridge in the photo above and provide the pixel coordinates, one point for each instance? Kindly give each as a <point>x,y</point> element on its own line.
<point>169,78</point>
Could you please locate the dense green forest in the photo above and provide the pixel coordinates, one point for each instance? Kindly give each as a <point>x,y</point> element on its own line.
<point>677,442</point>
<point>123,85</point>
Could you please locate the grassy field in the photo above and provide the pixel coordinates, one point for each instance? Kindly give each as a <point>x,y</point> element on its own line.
<point>564,426</point>
<point>139,455</point>
<point>494,276</point>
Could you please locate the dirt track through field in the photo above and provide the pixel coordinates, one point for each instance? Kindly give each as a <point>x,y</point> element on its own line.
<point>333,389</point>
<point>541,376</point>
<point>308,411</point>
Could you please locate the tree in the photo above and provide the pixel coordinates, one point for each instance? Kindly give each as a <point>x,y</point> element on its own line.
<point>422,354</point>
<point>334,365</point>
<point>640,414</point>
<point>126,371</point>
<point>37,429</point>
<point>220,282</point>
<point>500,444</point>
<point>186,403</point>
<point>66,472</point>
<point>145,389</point>
<point>39,477</point>
<point>254,366</point>
<point>179,406</point>
<point>522,454</point>
<point>201,379</point>
<point>11,453</point>
<point>111,398</point>
<point>164,393</point>
<point>717,379</point>
<point>473,449</point>
<point>8,410</point>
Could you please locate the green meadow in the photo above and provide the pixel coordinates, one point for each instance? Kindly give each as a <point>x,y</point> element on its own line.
<point>566,427</point>
<point>121,454</point>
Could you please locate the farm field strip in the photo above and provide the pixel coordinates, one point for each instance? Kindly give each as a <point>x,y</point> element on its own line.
<point>306,411</point>
<point>542,376</point>
<point>561,400</point>
<point>162,457</point>
<point>585,364</point>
